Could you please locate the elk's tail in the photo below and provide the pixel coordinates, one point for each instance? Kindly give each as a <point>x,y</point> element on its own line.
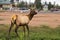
<point>14,18</point>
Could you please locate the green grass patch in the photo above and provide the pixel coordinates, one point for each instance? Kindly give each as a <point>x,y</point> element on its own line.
<point>36,33</point>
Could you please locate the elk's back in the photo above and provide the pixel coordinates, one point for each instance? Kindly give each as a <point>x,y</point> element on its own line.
<point>23,19</point>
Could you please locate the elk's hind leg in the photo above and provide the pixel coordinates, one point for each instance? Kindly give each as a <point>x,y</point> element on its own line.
<point>16,30</point>
<point>10,27</point>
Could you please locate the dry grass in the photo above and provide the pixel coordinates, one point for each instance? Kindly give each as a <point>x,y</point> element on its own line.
<point>51,19</point>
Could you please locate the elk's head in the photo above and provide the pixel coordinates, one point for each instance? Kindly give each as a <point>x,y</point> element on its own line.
<point>33,11</point>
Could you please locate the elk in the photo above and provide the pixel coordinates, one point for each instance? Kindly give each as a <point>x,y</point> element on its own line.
<point>22,20</point>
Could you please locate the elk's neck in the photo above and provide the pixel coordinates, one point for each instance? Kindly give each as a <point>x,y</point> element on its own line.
<point>30,16</point>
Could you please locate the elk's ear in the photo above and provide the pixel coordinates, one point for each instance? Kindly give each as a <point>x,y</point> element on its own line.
<point>32,8</point>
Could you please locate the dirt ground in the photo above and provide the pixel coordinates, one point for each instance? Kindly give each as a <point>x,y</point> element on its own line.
<point>51,19</point>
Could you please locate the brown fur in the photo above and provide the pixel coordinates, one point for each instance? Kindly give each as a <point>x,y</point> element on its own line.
<point>22,21</point>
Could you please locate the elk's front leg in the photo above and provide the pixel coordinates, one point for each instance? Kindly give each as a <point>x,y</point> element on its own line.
<point>24,30</point>
<point>27,29</point>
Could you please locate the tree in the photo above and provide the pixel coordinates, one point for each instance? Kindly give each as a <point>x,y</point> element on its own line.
<point>12,1</point>
<point>38,4</point>
<point>49,5</point>
<point>57,6</point>
<point>22,4</point>
<point>45,3</point>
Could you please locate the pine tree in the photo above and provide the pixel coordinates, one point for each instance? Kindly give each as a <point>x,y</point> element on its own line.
<point>49,5</point>
<point>38,4</point>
